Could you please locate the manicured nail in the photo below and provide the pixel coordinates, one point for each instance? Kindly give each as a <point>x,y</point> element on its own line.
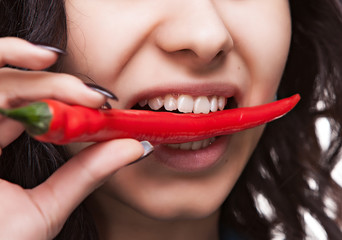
<point>106,105</point>
<point>276,97</point>
<point>102,90</point>
<point>51,48</point>
<point>148,149</point>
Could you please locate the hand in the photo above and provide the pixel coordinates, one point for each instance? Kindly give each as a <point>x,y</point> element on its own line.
<point>19,86</point>
<point>41,212</point>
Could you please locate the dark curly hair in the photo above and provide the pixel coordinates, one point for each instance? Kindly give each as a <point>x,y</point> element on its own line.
<point>287,157</point>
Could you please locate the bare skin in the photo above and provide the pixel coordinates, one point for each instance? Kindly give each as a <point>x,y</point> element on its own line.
<point>145,49</point>
<point>40,213</point>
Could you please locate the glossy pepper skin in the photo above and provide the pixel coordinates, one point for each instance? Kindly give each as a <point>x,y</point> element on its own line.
<point>59,123</point>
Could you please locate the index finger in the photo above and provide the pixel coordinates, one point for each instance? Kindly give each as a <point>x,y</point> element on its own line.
<point>21,53</point>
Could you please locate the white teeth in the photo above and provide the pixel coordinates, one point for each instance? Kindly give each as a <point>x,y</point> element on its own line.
<point>201,105</point>
<point>196,145</point>
<point>192,145</point>
<point>213,104</point>
<point>186,103</point>
<point>221,102</point>
<point>174,145</point>
<point>185,146</point>
<point>206,142</point>
<point>170,103</point>
<point>156,103</point>
<point>143,103</point>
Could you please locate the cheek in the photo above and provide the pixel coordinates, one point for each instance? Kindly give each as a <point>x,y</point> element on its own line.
<point>92,34</point>
<point>262,34</point>
<point>104,35</point>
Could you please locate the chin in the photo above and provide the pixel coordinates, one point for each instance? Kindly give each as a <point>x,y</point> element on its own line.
<point>193,210</point>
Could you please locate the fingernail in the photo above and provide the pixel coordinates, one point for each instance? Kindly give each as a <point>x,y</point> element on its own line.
<point>106,105</point>
<point>276,97</point>
<point>51,48</point>
<point>102,90</point>
<point>148,149</point>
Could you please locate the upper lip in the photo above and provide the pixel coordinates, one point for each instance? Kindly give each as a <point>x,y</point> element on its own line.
<point>198,89</point>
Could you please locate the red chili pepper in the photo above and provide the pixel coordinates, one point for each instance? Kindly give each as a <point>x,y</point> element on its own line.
<point>59,123</point>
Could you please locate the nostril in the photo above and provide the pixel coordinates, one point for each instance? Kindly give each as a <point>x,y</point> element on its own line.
<point>200,58</point>
<point>184,53</point>
<point>220,54</point>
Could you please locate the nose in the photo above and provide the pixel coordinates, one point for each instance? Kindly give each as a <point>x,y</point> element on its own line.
<point>195,30</point>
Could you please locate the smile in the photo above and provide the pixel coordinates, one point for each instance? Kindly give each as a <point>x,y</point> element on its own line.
<point>183,103</point>
<point>186,103</point>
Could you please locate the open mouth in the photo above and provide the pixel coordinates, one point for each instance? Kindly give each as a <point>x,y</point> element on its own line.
<point>48,120</point>
<point>183,103</point>
<point>196,145</point>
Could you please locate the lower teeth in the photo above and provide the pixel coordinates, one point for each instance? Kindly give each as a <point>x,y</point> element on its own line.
<point>193,145</point>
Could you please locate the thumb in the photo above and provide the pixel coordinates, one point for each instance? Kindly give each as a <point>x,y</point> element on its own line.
<point>60,194</point>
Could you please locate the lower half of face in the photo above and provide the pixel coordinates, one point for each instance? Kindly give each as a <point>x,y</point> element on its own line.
<point>183,184</point>
<point>165,56</point>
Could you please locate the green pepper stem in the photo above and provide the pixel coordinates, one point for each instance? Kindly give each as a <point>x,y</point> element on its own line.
<point>35,117</point>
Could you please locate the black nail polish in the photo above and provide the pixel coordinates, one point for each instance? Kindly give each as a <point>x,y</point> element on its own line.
<point>51,48</point>
<point>102,90</point>
<point>106,105</point>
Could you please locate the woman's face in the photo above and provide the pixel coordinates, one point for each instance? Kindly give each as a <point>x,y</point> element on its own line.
<point>174,51</point>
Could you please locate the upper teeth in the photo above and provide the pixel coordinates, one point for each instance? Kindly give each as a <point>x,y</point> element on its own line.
<point>186,103</point>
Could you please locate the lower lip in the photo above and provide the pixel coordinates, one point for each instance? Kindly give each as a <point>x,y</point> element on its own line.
<point>189,160</point>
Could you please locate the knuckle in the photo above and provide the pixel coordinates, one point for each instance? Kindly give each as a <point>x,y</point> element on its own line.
<point>38,65</point>
<point>64,81</point>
